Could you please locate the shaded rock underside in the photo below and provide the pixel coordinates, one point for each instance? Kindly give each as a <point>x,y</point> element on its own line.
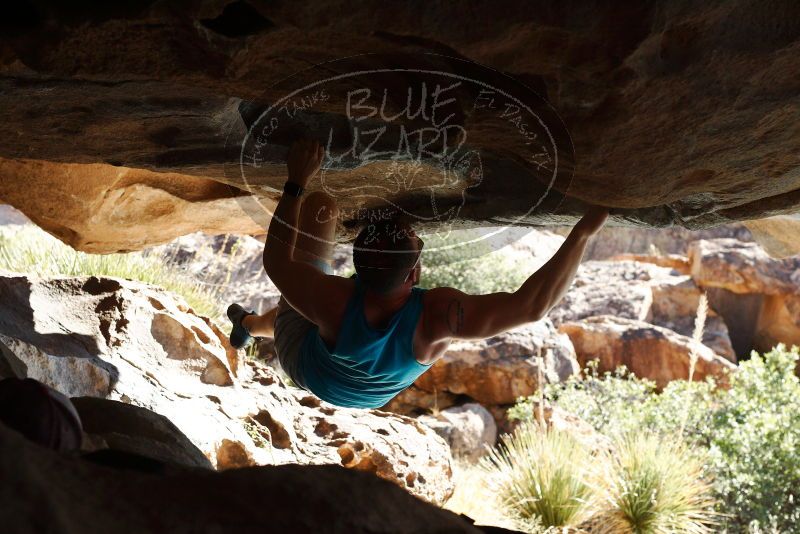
<point>123,128</point>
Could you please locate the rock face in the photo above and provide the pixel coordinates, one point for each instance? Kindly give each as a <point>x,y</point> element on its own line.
<point>102,208</point>
<point>778,235</point>
<point>681,114</point>
<point>469,429</point>
<point>500,369</point>
<point>121,340</point>
<point>742,268</point>
<point>84,497</point>
<point>751,289</point>
<point>646,350</point>
<point>610,242</point>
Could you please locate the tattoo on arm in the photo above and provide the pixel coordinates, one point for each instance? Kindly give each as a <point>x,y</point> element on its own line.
<point>455,316</point>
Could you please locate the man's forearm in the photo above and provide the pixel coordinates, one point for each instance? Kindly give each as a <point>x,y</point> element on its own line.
<point>547,286</point>
<point>302,162</point>
<point>282,232</point>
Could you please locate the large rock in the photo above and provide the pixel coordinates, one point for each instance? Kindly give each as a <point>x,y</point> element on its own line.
<point>681,113</point>
<point>642,291</point>
<point>137,430</point>
<point>777,235</point>
<point>613,241</point>
<point>469,429</point>
<point>43,491</point>
<point>500,369</point>
<point>742,268</point>
<point>751,289</point>
<point>649,351</point>
<point>127,341</point>
<point>104,208</point>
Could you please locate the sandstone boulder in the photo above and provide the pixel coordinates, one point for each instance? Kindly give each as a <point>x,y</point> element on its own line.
<point>127,341</point>
<point>758,293</point>
<point>777,235</point>
<point>469,429</point>
<point>44,491</point>
<point>134,429</point>
<point>641,291</point>
<point>104,208</point>
<point>742,268</point>
<point>500,369</point>
<point>649,351</point>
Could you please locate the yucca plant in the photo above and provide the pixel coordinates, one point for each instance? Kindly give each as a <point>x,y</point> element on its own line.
<point>542,476</point>
<point>654,485</point>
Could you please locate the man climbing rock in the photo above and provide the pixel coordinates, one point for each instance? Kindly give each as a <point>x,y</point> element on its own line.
<point>359,341</point>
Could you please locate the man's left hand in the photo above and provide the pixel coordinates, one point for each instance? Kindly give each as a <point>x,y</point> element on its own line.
<point>593,220</point>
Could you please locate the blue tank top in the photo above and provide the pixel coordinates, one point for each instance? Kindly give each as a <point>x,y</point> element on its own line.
<point>367,367</point>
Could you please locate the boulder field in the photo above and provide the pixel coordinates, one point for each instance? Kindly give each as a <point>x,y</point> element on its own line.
<point>149,376</point>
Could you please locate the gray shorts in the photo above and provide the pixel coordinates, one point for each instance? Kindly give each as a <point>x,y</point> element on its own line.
<point>291,329</point>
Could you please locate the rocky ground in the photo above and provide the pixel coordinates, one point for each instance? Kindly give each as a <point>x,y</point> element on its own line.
<point>115,345</point>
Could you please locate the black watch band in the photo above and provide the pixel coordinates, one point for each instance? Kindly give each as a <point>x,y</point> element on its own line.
<point>292,189</point>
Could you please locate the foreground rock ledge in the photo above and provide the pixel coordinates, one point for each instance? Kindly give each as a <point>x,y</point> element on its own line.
<point>127,341</point>
<point>43,491</point>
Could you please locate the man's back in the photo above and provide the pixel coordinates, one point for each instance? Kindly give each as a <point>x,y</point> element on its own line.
<point>368,364</point>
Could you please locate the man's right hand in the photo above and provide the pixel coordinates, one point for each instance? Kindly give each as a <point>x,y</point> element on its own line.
<point>593,220</point>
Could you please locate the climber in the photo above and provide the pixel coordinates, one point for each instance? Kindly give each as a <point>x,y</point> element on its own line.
<point>359,341</point>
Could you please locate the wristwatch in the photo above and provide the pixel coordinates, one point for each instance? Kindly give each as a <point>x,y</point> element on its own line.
<point>292,189</point>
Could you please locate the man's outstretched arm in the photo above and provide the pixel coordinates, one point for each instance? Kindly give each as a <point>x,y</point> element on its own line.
<point>457,315</point>
<point>303,162</point>
<point>299,283</point>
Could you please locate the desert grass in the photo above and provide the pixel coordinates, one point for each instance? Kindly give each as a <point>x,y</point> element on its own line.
<point>697,340</point>
<point>543,476</point>
<point>655,486</point>
<point>30,250</point>
<point>697,334</point>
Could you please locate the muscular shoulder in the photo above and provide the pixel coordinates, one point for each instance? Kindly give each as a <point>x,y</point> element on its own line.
<point>442,312</point>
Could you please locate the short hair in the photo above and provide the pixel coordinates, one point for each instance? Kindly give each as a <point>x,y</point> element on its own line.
<point>384,253</point>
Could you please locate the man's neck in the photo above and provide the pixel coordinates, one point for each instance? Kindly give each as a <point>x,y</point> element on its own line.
<point>391,301</point>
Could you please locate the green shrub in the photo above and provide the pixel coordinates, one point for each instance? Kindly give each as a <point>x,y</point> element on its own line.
<point>618,403</point>
<point>749,433</point>
<point>654,485</point>
<point>33,251</point>
<point>473,268</point>
<point>755,444</point>
<point>601,400</point>
<point>542,478</point>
